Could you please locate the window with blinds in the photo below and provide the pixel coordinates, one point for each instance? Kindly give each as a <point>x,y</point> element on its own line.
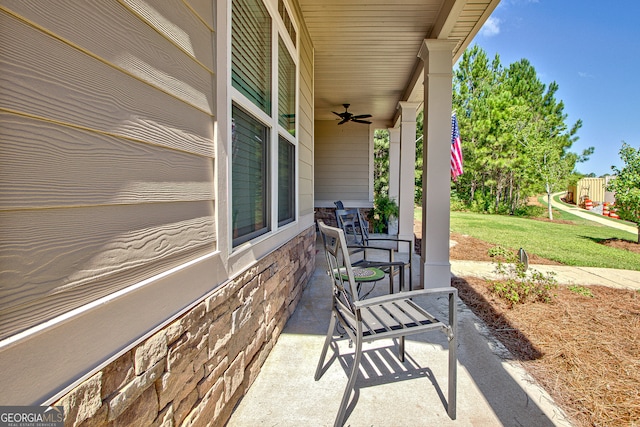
<point>263,163</point>
<point>286,19</point>
<point>251,52</point>
<point>286,89</point>
<point>250,177</point>
<point>286,181</point>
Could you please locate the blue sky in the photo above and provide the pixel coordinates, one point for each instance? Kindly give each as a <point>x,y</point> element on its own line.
<point>592,50</point>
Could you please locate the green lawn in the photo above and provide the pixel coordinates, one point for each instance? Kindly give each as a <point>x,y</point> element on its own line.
<point>571,244</point>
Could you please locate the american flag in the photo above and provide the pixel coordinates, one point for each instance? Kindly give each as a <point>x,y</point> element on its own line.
<point>456,149</point>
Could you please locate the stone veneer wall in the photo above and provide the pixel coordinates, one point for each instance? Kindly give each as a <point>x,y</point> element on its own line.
<point>193,371</point>
<point>326,215</point>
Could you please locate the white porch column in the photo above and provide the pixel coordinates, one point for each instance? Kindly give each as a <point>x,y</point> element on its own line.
<point>436,191</point>
<point>394,163</point>
<point>408,113</point>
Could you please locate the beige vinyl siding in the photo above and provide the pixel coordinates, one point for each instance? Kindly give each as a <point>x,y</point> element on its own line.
<point>341,161</point>
<point>107,151</point>
<point>203,9</point>
<point>305,125</point>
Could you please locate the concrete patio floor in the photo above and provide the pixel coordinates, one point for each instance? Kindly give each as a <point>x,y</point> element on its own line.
<point>493,389</point>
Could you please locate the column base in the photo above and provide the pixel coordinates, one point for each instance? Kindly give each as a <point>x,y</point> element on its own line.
<point>436,275</point>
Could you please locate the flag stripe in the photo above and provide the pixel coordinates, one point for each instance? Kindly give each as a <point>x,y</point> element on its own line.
<point>456,149</point>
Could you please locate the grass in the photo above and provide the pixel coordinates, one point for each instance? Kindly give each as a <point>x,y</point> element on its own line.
<point>570,244</point>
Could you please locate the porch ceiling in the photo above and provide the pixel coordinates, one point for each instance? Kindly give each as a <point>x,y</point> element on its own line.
<point>366,50</point>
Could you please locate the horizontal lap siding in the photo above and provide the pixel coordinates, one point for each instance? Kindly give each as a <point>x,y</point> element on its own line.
<point>305,138</point>
<point>341,161</point>
<point>119,39</point>
<point>48,165</point>
<point>55,260</point>
<point>204,10</point>
<point>107,151</point>
<point>51,80</point>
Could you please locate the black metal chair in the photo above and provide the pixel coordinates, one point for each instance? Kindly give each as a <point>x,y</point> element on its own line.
<point>340,207</point>
<point>369,248</point>
<point>388,316</point>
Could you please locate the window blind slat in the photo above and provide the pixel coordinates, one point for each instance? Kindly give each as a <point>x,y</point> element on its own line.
<point>251,52</point>
<point>249,182</point>
<point>286,181</point>
<point>286,89</point>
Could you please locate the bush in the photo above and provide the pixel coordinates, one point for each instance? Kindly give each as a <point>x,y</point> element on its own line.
<point>518,286</point>
<point>530,211</point>
<point>581,290</point>
<point>480,204</point>
<point>383,208</point>
<point>456,203</point>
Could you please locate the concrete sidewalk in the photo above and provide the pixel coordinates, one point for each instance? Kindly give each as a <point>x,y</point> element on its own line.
<point>566,275</point>
<point>601,219</point>
<point>493,389</point>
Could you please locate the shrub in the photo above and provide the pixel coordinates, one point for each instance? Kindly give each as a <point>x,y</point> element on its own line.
<point>456,203</point>
<point>581,290</point>
<point>383,208</point>
<point>517,285</point>
<point>530,211</point>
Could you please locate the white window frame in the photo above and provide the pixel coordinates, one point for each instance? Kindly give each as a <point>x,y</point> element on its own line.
<point>275,130</point>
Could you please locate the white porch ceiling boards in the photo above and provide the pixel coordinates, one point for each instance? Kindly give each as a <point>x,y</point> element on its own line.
<point>366,50</point>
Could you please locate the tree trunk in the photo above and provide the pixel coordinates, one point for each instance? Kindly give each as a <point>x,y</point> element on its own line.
<point>549,202</point>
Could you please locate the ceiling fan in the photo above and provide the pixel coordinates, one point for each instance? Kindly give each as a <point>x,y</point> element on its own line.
<point>348,117</point>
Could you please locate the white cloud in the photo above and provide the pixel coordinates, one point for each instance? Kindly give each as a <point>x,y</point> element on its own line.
<point>491,27</point>
<point>585,75</point>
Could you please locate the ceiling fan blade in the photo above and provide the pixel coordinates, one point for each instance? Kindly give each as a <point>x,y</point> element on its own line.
<point>350,117</point>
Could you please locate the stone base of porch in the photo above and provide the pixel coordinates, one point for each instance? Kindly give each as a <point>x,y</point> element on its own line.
<point>194,370</point>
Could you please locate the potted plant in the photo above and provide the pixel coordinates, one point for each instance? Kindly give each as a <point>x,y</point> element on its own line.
<point>385,215</point>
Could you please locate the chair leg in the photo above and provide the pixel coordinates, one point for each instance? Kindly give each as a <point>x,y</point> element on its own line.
<point>327,341</point>
<point>352,381</point>
<point>401,349</point>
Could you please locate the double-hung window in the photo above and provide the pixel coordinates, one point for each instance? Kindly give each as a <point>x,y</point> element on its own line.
<point>264,73</point>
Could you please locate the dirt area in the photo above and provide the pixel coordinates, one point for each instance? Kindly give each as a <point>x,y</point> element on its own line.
<point>584,350</point>
<point>622,244</point>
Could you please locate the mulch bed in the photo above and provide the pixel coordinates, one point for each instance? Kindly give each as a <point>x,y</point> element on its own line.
<point>585,351</point>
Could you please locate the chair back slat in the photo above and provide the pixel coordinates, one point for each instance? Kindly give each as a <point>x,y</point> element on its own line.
<point>345,289</point>
<point>351,222</point>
